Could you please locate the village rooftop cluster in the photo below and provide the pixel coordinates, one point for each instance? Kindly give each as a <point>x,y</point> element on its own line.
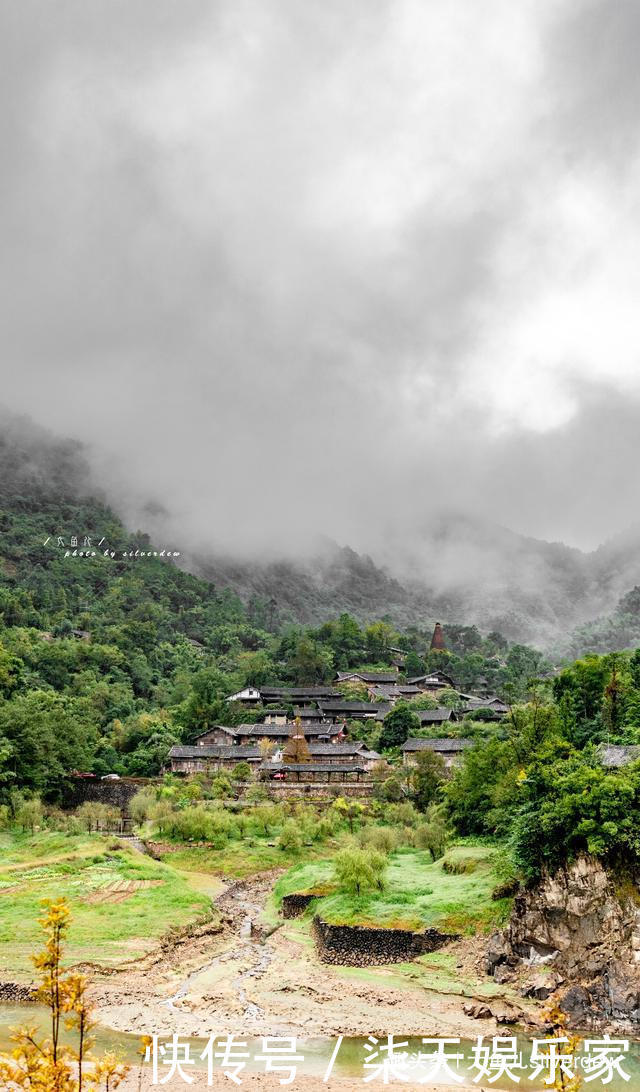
<point>302,733</point>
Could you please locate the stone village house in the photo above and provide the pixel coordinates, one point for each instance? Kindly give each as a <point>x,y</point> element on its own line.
<point>451,750</point>
<point>213,758</point>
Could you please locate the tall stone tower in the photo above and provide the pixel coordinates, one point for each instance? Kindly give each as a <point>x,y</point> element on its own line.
<point>437,641</point>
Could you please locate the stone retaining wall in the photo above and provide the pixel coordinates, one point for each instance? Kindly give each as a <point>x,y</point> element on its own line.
<point>293,906</point>
<point>14,992</point>
<point>318,791</point>
<point>116,793</point>
<point>360,946</point>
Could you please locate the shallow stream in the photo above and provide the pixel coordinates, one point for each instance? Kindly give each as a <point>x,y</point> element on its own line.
<point>317,1054</point>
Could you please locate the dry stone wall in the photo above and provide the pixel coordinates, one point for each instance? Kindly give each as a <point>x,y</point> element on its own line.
<point>115,793</point>
<point>293,906</point>
<point>360,946</point>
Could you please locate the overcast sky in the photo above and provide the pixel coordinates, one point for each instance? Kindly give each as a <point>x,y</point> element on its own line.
<point>329,265</point>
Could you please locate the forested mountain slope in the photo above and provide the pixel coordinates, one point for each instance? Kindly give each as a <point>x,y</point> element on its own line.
<point>456,569</point>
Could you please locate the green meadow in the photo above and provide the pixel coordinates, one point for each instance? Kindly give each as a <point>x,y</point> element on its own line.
<point>121,902</point>
<point>453,894</point>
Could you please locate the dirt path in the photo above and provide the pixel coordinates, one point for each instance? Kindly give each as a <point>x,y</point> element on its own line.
<point>229,977</point>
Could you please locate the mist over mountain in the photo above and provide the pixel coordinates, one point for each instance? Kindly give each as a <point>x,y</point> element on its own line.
<point>454,568</point>
<point>461,570</point>
<point>334,269</point>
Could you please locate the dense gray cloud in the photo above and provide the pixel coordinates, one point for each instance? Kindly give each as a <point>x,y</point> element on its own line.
<point>329,267</point>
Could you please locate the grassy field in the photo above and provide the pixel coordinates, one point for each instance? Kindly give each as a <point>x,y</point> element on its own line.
<point>121,901</point>
<point>452,894</point>
<point>243,858</point>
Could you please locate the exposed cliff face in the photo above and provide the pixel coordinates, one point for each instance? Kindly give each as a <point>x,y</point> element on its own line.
<point>580,922</point>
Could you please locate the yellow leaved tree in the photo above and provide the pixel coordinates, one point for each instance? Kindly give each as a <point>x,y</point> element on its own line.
<point>564,1046</point>
<point>47,1064</point>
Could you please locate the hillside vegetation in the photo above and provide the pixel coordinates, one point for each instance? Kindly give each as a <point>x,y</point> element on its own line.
<point>107,661</point>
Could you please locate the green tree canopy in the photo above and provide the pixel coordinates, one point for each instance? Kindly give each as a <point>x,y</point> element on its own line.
<point>397,726</point>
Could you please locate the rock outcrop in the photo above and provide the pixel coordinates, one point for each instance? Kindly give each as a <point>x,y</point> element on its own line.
<point>586,928</point>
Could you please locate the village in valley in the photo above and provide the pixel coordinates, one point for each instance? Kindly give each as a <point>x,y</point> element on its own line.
<point>305,735</point>
<point>347,826</point>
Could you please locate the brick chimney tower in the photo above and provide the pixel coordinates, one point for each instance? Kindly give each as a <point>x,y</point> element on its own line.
<point>437,641</point>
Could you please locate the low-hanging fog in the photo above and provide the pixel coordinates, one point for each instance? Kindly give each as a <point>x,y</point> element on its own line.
<point>336,268</point>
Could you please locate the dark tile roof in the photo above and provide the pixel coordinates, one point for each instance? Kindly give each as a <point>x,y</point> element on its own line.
<point>445,745</point>
<point>312,767</point>
<point>215,750</point>
<point>218,728</point>
<point>283,693</point>
<point>387,692</point>
<point>485,700</point>
<point>434,716</point>
<point>369,676</point>
<point>432,675</point>
<point>349,706</point>
<point>494,705</point>
<point>337,748</point>
<point>262,731</point>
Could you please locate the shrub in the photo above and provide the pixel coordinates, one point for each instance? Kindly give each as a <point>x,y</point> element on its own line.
<point>459,866</point>
<point>256,794</point>
<point>426,778</point>
<point>200,824</point>
<point>141,804</point>
<point>289,837</point>
<point>49,1063</point>
<point>506,890</point>
<point>327,824</point>
<point>391,789</point>
<point>402,815</point>
<point>220,788</point>
<point>28,814</point>
<point>162,813</point>
<point>349,810</point>
<point>95,816</point>
<point>57,819</point>
<point>356,869</point>
<point>241,772</point>
<point>265,817</point>
<point>433,834</point>
<point>407,836</point>
<point>382,839</point>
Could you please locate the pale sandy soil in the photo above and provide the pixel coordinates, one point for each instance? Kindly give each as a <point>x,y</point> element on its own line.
<point>269,1084</point>
<point>230,982</point>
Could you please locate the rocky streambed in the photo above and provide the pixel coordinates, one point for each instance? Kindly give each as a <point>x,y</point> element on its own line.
<point>236,974</point>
